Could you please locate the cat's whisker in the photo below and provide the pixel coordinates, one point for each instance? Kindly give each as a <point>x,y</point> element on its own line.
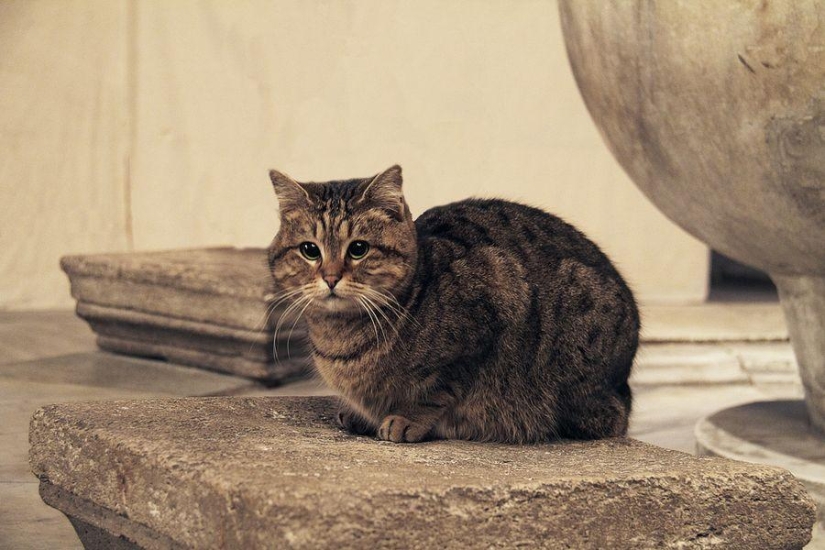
<point>376,297</point>
<point>398,310</point>
<point>386,297</point>
<point>394,301</point>
<point>377,321</point>
<point>297,318</point>
<point>274,303</point>
<point>391,303</point>
<point>271,305</point>
<point>278,298</point>
<point>362,304</point>
<point>261,322</point>
<point>292,307</point>
<point>381,311</point>
<point>288,313</point>
<point>274,299</point>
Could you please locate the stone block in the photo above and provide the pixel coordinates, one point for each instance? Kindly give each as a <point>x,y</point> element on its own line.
<point>207,308</point>
<point>769,432</point>
<point>276,472</point>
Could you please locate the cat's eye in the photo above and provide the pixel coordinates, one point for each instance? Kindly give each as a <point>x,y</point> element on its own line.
<point>310,251</point>
<point>358,249</point>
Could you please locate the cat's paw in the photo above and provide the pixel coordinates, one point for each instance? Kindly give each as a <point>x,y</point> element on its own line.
<point>354,423</point>
<point>401,430</point>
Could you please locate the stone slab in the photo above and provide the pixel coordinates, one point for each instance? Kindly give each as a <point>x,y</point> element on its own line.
<point>775,432</point>
<point>675,364</point>
<point>225,349</point>
<point>714,322</point>
<point>267,372</point>
<point>222,286</point>
<point>210,308</point>
<point>26,523</point>
<point>757,363</point>
<point>228,271</point>
<point>276,472</point>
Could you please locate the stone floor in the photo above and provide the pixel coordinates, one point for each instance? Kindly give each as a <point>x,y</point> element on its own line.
<point>48,357</point>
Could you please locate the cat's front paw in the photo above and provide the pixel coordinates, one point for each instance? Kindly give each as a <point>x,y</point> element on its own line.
<point>401,430</point>
<point>354,423</point>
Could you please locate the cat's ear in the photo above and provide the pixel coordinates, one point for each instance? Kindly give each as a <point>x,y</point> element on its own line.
<point>288,191</point>
<point>384,191</point>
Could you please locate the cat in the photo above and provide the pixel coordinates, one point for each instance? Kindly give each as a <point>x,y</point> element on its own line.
<point>480,320</point>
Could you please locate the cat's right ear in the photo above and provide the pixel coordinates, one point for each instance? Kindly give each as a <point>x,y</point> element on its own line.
<point>289,192</point>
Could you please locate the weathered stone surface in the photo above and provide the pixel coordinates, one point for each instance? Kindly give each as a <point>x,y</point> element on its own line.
<point>174,283</point>
<point>717,113</point>
<point>276,472</point>
<point>803,299</point>
<point>769,432</point>
<point>205,307</point>
<point>215,347</point>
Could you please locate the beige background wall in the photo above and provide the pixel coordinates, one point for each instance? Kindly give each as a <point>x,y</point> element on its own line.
<point>134,125</point>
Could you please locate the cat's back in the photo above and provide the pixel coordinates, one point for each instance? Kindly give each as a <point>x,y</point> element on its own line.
<point>541,312</point>
<point>513,254</point>
<point>536,238</point>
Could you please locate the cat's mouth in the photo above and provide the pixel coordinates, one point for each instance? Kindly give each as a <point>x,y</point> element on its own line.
<point>336,302</point>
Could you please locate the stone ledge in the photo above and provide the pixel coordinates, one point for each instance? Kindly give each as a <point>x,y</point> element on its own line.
<point>775,432</point>
<point>222,270</point>
<point>235,351</point>
<point>206,308</point>
<point>269,373</point>
<point>274,472</point>
<point>755,363</point>
<point>221,286</point>
<point>714,322</point>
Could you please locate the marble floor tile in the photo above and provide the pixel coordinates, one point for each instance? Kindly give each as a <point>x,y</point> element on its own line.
<point>666,415</point>
<point>99,369</point>
<point>27,335</point>
<point>26,523</point>
<point>713,322</point>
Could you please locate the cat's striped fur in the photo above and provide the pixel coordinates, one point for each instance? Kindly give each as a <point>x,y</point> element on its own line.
<point>483,319</point>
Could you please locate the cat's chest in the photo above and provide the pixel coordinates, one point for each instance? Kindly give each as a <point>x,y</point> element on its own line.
<point>363,380</point>
<point>354,362</point>
<point>366,377</point>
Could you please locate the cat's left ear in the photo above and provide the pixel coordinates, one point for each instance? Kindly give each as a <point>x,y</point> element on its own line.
<point>384,191</point>
<point>288,191</point>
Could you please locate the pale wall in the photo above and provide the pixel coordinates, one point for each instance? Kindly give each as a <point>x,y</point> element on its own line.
<point>63,142</point>
<point>146,125</point>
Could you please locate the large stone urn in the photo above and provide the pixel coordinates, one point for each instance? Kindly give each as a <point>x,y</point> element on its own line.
<point>716,109</point>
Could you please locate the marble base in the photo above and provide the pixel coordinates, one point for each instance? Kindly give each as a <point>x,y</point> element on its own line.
<point>777,433</point>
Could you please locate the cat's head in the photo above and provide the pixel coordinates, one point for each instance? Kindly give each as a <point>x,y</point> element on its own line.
<point>343,246</point>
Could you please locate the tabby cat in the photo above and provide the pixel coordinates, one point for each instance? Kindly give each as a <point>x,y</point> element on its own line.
<point>482,319</point>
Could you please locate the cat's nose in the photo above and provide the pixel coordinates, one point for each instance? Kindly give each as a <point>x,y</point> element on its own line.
<point>331,280</point>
